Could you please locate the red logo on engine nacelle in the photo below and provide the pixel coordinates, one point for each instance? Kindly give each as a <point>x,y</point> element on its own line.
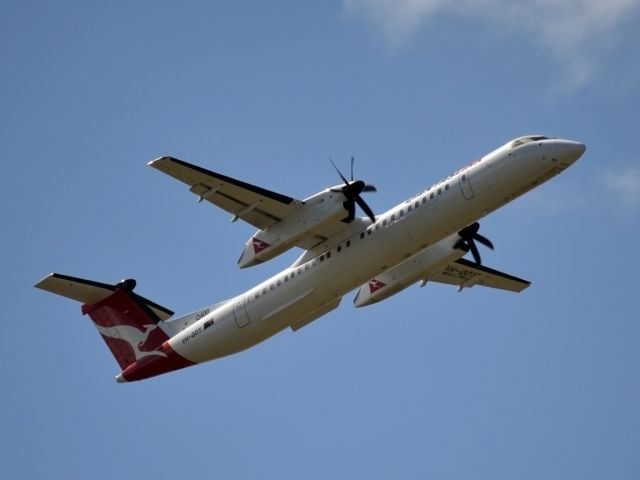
<point>375,285</point>
<point>259,245</point>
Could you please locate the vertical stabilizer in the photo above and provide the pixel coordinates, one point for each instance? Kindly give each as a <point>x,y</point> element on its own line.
<point>129,328</point>
<point>130,325</point>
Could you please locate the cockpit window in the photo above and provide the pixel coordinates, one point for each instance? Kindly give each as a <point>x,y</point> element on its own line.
<point>522,140</point>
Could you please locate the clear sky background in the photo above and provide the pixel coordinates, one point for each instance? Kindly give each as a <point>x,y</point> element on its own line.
<point>429,384</point>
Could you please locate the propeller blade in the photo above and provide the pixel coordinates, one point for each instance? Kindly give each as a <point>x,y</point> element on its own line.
<point>363,205</point>
<point>350,205</point>
<point>339,172</point>
<point>369,188</point>
<point>475,252</point>
<point>483,240</point>
<point>352,159</point>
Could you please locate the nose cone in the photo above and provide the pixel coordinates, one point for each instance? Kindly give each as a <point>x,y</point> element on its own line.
<point>570,150</point>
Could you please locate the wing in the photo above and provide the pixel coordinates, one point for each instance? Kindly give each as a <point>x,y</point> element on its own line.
<point>464,274</point>
<point>255,205</point>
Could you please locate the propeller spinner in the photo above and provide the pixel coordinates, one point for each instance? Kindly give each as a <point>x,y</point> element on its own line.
<point>467,242</point>
<point>352,190</point>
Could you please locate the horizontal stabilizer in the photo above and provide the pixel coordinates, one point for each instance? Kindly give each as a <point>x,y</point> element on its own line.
<point>466,274</point>
<point>89,292</point>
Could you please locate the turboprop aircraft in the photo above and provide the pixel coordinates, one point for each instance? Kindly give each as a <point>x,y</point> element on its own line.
<point>422,239</point>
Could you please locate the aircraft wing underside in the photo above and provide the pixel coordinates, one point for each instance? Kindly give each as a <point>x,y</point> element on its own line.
<point>464,274</point>
<point>255,205</point>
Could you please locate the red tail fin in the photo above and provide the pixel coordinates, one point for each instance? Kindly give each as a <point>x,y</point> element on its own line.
<point>129,324</point>
<point>129,328</point>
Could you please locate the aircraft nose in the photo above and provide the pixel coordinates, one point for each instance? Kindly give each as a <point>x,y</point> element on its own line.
<point>571,150</point>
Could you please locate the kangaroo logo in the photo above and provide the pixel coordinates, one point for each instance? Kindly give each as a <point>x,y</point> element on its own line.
<point>375,285</point>
<point>259,245</point>
<point>134,337</point>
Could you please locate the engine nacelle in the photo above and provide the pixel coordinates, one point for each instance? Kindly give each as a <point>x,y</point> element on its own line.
<point>318,211</point>
<point>428,262</point>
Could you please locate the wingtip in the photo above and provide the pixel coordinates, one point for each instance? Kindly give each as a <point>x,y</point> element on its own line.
<point>156,161</point>
<point>41,282</point>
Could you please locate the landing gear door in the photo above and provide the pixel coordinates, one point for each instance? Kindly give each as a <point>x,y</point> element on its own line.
<point>465,186</point>
<point>240,312</point>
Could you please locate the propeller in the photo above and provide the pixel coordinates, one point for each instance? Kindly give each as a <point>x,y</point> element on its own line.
<point>467,242</point>
<point>352,190</point>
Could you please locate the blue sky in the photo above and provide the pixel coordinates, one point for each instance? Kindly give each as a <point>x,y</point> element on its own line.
<point>481,384</point>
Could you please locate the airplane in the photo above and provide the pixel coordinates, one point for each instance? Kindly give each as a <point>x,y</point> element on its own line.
<point>420,240</point>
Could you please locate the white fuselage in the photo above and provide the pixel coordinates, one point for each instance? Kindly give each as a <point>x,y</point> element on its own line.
<point>312,287</point>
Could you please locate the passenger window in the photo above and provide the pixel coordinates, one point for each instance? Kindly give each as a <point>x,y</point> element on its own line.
<point>424,199</point>
<point>339,248</point>
<point>348,243</point>
<point>446,187</point>
<point>293,274</point>
<point>329,254</point>
<point>322,258</point>
<point>384,222</point>
<point>264,290</point>
<point>279,283</point>
<point>362,235</point>
<point>431,196</point>
<point>439,191</point>
<point>417,203</point>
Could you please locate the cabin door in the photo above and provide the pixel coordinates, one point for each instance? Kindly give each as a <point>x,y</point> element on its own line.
<point>465,186</point>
